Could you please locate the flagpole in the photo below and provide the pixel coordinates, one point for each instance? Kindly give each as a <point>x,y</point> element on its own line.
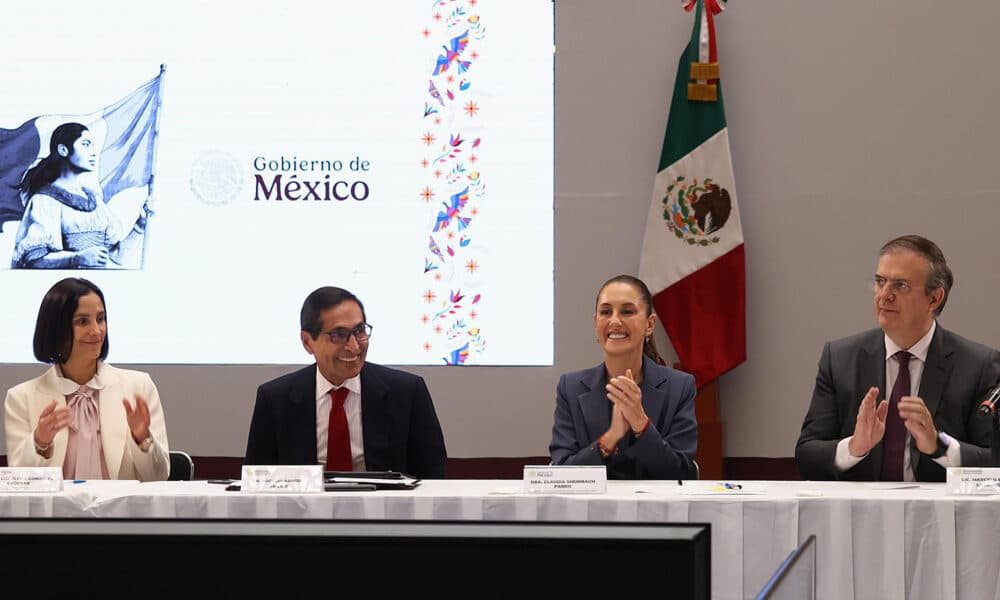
<point>152,174</point>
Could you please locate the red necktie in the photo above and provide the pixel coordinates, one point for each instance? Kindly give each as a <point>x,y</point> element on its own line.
<point>338,438</point>
<point>894,441</point>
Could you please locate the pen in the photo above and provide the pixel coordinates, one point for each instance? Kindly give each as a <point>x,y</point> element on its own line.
<point>79,481</point>
<point>732,486</point>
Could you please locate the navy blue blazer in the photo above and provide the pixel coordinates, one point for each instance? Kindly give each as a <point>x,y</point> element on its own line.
<point>583,414</point>
<point>400,428</point>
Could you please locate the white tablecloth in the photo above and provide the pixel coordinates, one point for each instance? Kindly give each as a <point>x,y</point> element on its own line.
<point>873,541</point>
<point>71,503</point>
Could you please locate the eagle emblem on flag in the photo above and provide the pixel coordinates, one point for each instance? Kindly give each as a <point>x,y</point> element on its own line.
<point>695,211</point>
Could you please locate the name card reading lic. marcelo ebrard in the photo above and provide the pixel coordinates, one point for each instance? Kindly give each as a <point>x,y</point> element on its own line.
<point>970,481</point>
<point>31,479</point>
<point>565,479</point>
<point>282,479</point>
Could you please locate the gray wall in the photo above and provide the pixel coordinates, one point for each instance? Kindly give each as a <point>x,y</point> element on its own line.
<point>850,122</point>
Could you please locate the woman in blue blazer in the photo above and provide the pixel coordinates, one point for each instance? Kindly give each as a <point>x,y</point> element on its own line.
<point>631,413</point>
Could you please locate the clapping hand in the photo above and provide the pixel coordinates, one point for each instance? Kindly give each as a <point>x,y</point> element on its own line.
<point>625,393</point>
<point>919,422</point>
<point>870,426</point>
<point>138,418</point>
<point>50,422</point>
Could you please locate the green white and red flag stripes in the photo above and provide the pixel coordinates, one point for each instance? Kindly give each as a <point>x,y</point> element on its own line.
<point>692,252</point>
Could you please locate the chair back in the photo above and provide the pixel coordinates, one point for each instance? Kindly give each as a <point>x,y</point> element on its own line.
<point>181,466</point>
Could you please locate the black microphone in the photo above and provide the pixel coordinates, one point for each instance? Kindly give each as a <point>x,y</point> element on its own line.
<point>989,405</point>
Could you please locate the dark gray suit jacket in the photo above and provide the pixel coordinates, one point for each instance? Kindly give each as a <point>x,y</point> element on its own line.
<point>956,377</point>
<point>399,426</point>
<point>583,414</point>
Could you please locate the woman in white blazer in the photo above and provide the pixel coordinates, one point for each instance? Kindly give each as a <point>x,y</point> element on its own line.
<point>92,420</point>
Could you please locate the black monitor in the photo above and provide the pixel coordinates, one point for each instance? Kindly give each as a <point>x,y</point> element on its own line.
<point>475,559</point>
<point>795,577</point>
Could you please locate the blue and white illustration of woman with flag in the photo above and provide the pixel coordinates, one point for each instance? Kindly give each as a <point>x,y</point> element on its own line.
<point>85,203</point>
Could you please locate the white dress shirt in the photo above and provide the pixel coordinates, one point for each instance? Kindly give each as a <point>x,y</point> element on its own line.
<point>352,406</point>
<point>953,456</point>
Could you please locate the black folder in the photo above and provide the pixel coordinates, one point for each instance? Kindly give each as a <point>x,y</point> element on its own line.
<point>382,480</point>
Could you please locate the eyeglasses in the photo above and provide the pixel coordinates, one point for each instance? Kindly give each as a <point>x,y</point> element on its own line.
<point>340,335</point>
<point>896,286</point>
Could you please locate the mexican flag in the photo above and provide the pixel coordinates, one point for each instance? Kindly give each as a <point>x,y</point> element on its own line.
<point>125,131</point>
<point>692,252</point>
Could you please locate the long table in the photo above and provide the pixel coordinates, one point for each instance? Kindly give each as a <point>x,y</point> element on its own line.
<point>874,540</point>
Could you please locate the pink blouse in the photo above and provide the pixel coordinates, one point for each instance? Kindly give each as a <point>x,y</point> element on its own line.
<point>84,452</point>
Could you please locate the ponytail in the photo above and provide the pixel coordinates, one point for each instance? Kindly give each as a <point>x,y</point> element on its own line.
<point>39,176</point>
<point>649,349</point>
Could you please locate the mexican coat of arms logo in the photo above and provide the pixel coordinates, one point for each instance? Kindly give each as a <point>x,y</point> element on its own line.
<point>696,211</point>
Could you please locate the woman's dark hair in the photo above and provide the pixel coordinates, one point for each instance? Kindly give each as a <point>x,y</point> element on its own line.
<point>54,326</point>
<point>50,168</point>
<point>648,345</point>
<point>320,300</point>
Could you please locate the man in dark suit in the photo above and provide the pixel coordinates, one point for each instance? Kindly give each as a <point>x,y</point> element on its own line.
<point>342,412</point>
<point>847,434</point>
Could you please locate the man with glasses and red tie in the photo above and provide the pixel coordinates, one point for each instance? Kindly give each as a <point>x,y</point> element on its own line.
<point>342,412</point>
<point>898,403</point>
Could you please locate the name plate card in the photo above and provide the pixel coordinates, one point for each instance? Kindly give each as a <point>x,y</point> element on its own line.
<point>565,479</point>
<point>969,481</point>
<point>282,479</point>
<point>31,479</point>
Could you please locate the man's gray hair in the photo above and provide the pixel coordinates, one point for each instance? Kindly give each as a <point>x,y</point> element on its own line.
<point>938,273</point>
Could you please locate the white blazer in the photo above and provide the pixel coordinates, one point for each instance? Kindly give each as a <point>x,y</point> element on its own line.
<point>124,459</point>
